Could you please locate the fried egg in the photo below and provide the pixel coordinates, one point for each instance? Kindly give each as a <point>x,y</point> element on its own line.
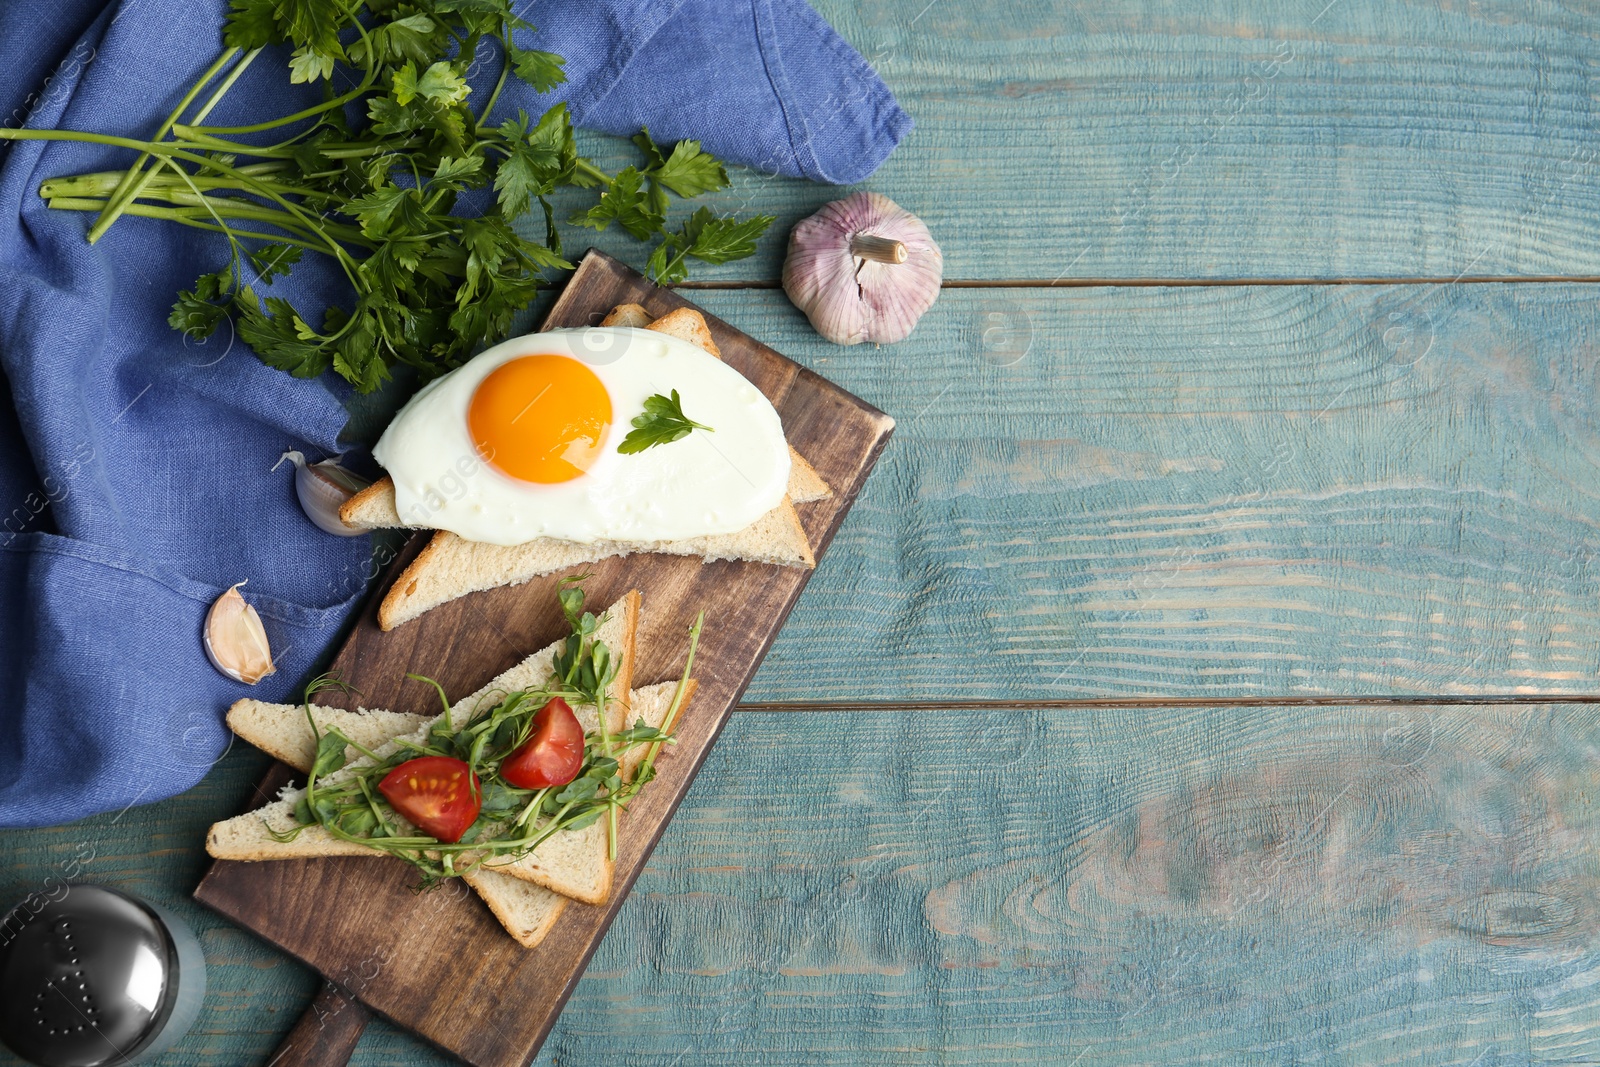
<point>522,442</point>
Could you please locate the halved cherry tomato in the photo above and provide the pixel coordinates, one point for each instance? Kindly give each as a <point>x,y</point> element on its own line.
<point>439,794</point>
<point>553,752</point>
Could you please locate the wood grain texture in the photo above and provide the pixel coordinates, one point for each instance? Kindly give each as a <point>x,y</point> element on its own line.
<point>1226,885</point>
<point>327,1033</point>
<point>1212,492</point>
<point>439,963</point>
<point>1342,886</point>
<point>1231,139</point>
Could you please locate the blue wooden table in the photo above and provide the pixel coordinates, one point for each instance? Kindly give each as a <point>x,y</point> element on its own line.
<point>1208,673</point>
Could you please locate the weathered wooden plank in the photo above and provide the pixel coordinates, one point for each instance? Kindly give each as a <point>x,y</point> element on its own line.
<point>1154,886</point>
<point>1252,491</point>
<point>1233,885</point>
<point>1162,139</point>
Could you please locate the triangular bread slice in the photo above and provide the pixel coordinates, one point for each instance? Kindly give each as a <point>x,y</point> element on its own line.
<point>288,737</point>
<point>373,508</point>
<point>583,874</point>
<point>451,566</point>
<point>527,910</point>
<point>281,730</point>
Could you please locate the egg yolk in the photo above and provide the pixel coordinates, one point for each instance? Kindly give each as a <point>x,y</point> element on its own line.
<point>540,418</point>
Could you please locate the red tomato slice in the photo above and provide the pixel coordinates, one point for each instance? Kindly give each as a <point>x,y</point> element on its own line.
<point>553,752</point>
<point>439,794</point>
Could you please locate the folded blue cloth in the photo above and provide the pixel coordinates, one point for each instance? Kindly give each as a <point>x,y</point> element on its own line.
<point>135,481</point>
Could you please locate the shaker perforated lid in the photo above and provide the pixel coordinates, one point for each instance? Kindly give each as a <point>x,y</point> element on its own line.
<point>87,979</point>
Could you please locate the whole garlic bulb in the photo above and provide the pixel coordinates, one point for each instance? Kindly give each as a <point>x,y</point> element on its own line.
<point>863,269</point>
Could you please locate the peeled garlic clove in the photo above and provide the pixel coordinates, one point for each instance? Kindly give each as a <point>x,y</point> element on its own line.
<point>235,640</point>
<point>863,269</point>
<point>323,488</point>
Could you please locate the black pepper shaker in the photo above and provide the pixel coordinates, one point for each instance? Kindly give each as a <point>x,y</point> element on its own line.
<point>91,977</point>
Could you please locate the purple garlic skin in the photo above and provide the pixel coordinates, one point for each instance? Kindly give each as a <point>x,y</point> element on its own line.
<point>849,298</point>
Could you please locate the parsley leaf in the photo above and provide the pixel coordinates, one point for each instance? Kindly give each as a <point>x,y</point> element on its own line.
<point>542,70</point>
<point>707,237</point>
<point>274,259</point>
<point>195,316</point>
<point>441,83</point>
<point>625,203</point>
<point>690,172</point>
<point>308,64</point>
<point>415,38</point>
<point>662,423</point>
<point>536,162</point>
<point>718,240</point>
<point>251,24</point>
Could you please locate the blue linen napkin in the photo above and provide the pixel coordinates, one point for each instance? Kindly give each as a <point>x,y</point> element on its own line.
<point>135,481</point>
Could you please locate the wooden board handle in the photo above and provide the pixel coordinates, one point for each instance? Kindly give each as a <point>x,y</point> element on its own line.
<point>326,1034</point>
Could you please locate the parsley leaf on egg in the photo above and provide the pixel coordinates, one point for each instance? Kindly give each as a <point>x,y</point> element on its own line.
<point>662,423</point>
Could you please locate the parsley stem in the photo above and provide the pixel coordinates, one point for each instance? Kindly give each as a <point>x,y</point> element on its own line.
<point>182,191</point>
<point>191,206</point>
<point>505,68</point>
<point>101,183</point>
<point>227,83</point>
<point>316,226</point>
<point>208,143</point>
<point>114,204</point>
<point>348,150</point>
<point>585,167</point>
<point>126,194</point>
<point>188,218</point>
<point>151,148</point>
<point>259,127</point>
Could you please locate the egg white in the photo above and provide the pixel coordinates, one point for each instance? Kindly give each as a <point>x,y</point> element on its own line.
<point>707,483</point>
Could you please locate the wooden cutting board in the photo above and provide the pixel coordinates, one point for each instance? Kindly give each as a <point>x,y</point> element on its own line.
<point>438,963</point>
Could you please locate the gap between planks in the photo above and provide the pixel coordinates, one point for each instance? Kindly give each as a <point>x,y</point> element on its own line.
<point>1201,283</point>
<point>1022,703</point>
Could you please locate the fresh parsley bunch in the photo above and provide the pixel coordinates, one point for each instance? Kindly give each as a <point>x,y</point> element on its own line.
<point>371,177</point>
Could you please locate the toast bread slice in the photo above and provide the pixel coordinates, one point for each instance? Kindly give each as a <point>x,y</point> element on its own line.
<point>526,909</point>
<point>288,737</point>
<point>687,324</point>
<point>633,315</point>
<point>583,873</point>
<point>373,508</point>
<point>452,566</point>
<point>559,863</point>
<point>281,730</point>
